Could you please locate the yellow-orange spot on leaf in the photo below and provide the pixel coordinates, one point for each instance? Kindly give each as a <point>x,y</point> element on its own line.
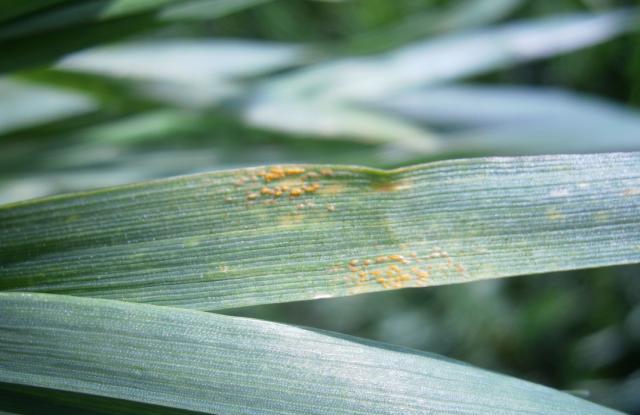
<point>311,188</point>
<point>252,196</point>
<point>326,172</point>
<point>333,188</point>
<point>266,191</point>
<point>398,258</point>
<point>460,269</point>
<point>554,214</point>
<point>381,259</point>
<point>291,219</point>
<point>366,262</point>
<point>293,170</point>
<point>391,186</point>
<point>296,191</point>
<point>423,275</point>
<point>375,273</point>
<point>274,173</point>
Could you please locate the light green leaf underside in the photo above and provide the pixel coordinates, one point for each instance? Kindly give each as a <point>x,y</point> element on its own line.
<point>229,365</point>
<point>214,240</point>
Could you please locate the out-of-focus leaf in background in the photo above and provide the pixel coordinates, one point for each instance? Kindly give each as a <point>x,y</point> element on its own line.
<point>519,120</point>
<point>17,107</point>
<point>453,56</point>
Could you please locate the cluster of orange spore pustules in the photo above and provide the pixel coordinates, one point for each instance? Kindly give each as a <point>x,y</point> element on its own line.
<point>396,270</point>
<point>294,188</point>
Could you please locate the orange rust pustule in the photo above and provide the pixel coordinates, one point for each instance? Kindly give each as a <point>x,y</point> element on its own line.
<point>390,186</point>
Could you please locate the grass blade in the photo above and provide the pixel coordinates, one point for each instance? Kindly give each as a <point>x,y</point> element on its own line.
<point>74,26</point>
<point>456,17</point>
<point>484,120</point>
<point>197,62</point>
<point>226,239</point>
<point>466,105</point>
<point>219,364</point>
<point>18,109</point>
<point>451,57</point>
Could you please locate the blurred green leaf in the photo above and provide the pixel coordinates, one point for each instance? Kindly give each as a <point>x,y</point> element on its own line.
<point>77,12</point>
<point>24,104</point>
<point>206,9</point>
<point>511,120</point>
<point>219,364</point>
<point>227,239</point>
<point>42,37</point>
<point>13,8</point>
<point>319,119</point>
<point>42,49</point>
<point>461,15</point>
<point>191,72</point>
<point>450,57</point>
<point>465,106</point>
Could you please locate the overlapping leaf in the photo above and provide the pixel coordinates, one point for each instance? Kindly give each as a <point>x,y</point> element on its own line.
<point>218,364</point>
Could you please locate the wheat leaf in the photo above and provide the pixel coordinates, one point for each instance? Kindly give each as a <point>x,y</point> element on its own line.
<point>274,234</point>
<point>211,363</point>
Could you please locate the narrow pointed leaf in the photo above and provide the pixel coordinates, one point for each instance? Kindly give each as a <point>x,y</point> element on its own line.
<point>454,56</point>
<point>78,25</point>
<point>218,364</point>
<point>25,105</point>
<point>189,61</point>
<point>278,234</point>
<point>469,105</point>
<point>456,17</point>
<point>484,120</point>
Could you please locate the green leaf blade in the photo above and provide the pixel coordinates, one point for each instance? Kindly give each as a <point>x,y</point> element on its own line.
<point>219,364</point>
<point>224,239</point>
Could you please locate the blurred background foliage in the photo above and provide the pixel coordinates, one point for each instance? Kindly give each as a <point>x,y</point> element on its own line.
<point>104,92</point>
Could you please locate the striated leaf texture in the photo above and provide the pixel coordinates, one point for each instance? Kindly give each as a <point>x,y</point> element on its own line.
<point>211,363</point>
<point>284,233</point>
